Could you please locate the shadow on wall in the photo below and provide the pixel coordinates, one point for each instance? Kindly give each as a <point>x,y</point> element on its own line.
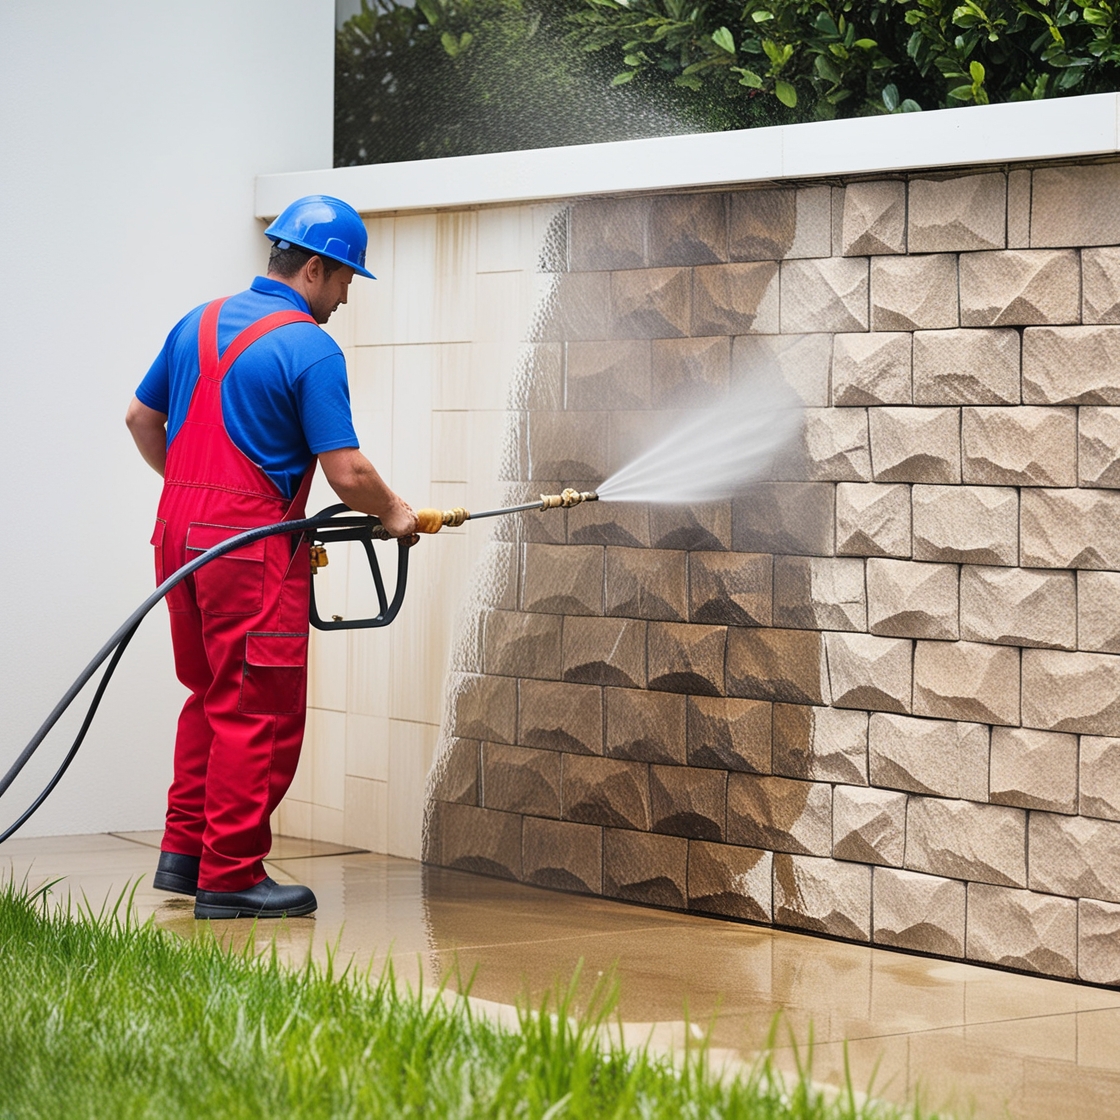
<point>879,670</point>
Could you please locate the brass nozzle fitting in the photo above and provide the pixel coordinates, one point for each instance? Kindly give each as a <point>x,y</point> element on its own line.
<point>567,498</point>
<point>432,520</point>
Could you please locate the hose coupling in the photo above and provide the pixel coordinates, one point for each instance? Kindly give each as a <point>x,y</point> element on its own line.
<point>567,498</point>
<point>432,520</point>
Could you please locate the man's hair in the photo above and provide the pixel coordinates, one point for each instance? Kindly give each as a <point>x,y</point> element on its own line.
<point>287,262</point>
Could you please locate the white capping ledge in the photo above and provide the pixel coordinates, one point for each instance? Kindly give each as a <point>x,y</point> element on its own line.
<point>1029,130</point>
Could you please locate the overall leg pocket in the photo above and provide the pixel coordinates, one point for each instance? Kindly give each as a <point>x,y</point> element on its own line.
<point>232,584</point>
<point>274,677</point>
<point>177,598</point>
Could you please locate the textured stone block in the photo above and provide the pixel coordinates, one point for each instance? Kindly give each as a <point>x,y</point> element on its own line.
<point>515,643</point>
<point>605,651</point>
<point>687,229</point>
<point>940,757</point>
<point>966,367</point>
<point>642,867</point>
<point>618,523</point>
<point>828,294</point>
<point>963,840</point>
<point>869,672</point>
<point>690,372</point>
<point>735,298</point>
<point>1020,446</point>
<point>871,368</point>
<point>823,895</point>
<point>1098,942</point>
<point>1071,528</point>
<point>651,303</point>
<point>819,593</point>
<point>1075,856</point>
<point>577,307</point>
<point>686,657</point>
<point>1100,285</point>
<point>1098,446</point>
<point>611,374</point>
<point>1034,769</point>
<point>646,726</point>
<point>774,224</point>
<point>966,524</point>
<point>734,588</point>
<point>923,913</point>
<point>868,825</point>
<point>785,517</point>
<point>1019,209</point>
<point>1077,692</point>
<point>779,814</point>
<point>831,445</point>
<point>1075,205</point>
<point>570,445</point>
<point>1071,365</point>
<point>959,213</point>
<point>484,707</point>
<point>455,774</point>
<point>799,361</point>
<point>1020,287</point>
<point>913,293</point>
<point>727,734</point>
<point>1098,611</point>
<point>558,716</point>
<point>729,880</point>
<point>966,681</point>
<point>776,665</point>
<point>705,526</point>
<point>916,444</point>
<point>606,791</point>
<point>820,744</point>
<point>521,780</point>
<point>480,840</point>
<point>1099,777</point>
<point>562,855</point>
<point>872,520</point>
<point>873,219</point>
<point>608,234</point>
<point>1019,607</point>
<point>562,579</point>
<point>910,600</point>
<point>1020,929</point>
<point>688,801</point>
<point>646,583</point>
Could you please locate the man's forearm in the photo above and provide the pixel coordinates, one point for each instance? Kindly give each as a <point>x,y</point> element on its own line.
<point>149,432</point>
<point>357,482</point>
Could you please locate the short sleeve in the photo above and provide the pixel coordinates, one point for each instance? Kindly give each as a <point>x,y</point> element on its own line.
<point>155,389</point>
<point>323,399</point>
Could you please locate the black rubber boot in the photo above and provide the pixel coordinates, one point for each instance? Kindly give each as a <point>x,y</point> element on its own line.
<point>176,873</point>
<point>267,899</point>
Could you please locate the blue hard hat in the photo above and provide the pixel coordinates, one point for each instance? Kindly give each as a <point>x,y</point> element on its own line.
<point>325,226</point>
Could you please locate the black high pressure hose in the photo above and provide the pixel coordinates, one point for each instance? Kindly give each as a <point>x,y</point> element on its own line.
<point>335,527</point>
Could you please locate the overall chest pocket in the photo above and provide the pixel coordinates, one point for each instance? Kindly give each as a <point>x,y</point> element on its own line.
<point>232,584</point>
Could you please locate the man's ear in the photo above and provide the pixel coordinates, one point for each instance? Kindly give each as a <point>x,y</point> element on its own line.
<point>314,269</point>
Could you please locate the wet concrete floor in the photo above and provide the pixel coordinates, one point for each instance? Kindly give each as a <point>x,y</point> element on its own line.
<point>972,1040</point>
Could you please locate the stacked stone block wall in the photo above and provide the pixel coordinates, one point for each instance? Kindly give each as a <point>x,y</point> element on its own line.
<point>878,695</point>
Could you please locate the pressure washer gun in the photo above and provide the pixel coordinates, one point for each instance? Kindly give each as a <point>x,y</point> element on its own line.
<point>368,529</point>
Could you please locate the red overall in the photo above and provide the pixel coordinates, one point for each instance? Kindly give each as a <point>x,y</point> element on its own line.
<point>238,628</point>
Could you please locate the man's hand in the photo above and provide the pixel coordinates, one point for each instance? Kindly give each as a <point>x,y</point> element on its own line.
<point>149,431</point>
<point>356,481</point>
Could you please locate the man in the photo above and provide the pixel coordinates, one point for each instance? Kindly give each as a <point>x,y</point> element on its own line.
<point>244,397</point>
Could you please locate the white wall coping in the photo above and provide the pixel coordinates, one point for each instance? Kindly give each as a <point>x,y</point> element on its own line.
<point>1029,130</point>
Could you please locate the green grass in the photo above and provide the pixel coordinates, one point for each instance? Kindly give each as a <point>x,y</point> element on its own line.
<point>103,1016</point>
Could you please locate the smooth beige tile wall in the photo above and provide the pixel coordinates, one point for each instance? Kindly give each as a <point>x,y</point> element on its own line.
<point>431,349</point>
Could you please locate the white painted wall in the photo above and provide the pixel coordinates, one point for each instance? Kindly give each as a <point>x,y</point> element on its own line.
<point>130,135</point>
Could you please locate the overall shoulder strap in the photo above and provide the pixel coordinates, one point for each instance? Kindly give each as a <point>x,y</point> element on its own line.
<point>254,331</point>
<point>208,339</point>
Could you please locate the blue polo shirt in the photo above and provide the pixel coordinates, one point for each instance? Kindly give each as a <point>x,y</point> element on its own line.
<point>284,400</point>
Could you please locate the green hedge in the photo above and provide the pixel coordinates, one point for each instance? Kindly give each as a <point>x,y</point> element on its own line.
<point>450,77</point>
